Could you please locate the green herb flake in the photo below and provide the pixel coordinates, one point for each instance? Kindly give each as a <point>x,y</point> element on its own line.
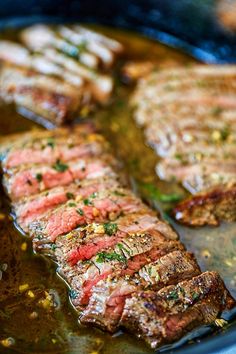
<point>120,194</point>
<point>73,294</point>
<point>87,202</point>
<point>60,167</point>
<point>195,296</point>
<point>93,195</point>
<point>112,256</point>
<point>82,46</point>
<point>70,195</point>
<point>80,211</point>
<point>71,204</point>
<point>110,228</point>
<point>51,143</point>
<point>216,111</point>
<point>155,194</point>
<point>173,295</point>
<point>53,247</point>
<point>39,177</point>
<point>225,132</point>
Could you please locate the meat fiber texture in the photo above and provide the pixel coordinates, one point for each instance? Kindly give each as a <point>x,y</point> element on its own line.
<point>124,265</point>
<point>58,73</point>
<point>188,116</point>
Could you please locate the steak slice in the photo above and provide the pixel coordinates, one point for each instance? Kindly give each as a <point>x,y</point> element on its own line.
<point>124,258</point>
<point>199,175</point>
<point>37,206</point>
<point>108,297</point>
<point>188,115</point>
<point>103,206</point>
<point>16,54</point>
<point>83,243</point>
<point>49,97</point>
<point>208,208</point>
<point>41,38</point>
<point>50,149</point>
<point>25,182</point>
<point>164,316</point>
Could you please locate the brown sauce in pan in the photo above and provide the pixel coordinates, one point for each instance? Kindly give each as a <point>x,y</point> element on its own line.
<point>35,314</point>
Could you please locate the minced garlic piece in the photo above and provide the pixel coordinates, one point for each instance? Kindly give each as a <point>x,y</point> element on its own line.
<point>47,302</point>
<point>8,342</point>
<point>23,287</point>
<point>24,246</point>
<point>30,294</point>
<point>220,322</point>
<point>216,135</point>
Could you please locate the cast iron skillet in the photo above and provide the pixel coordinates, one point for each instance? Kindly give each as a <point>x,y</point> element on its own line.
<point>182,25</point>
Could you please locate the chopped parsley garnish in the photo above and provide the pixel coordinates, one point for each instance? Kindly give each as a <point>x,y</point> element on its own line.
<point>216,111</point>
<point>173,295</point>
<point>39,177</point>
<point>225,132</point>
<point>87,202</point>
<point>70,195</point>
<point>71,204</point>
<point>93,195</point>
<point>60,166</point>
<point>82,46</point>
<point>155,194</point>
<point>73,294</point>
<point>118,193</point>
<point>110,228</point>
<point>112,256</point>
<point>53,247</point>
<point>51,143</point>
<point>195,296</point>
<point>80,211</point>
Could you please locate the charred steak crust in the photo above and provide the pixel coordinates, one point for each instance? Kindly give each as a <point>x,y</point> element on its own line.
<point>125,266</point>
<point>166,315</point>
<point>208,208</point>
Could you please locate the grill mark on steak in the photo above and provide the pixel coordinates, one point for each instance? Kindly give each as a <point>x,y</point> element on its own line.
<point>189,119</point>
<point>164,316</point>
<point>108,298</point>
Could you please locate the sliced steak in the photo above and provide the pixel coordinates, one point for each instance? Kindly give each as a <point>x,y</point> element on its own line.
<point>208,208</point>
<point>164,316</point>
<point>108,297</point>
<point>124,259</point>
<point>49,97</point>
<point>103,206</point>
<point>50,149</point>
<point>26,182</point>
<point>189,119</point>
<point>121,262</point>
<point>75,54</point>
<point>36,207</point>
<point>83,243</point>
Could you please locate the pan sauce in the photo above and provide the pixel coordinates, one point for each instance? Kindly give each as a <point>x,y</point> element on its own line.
<point>35,315</point>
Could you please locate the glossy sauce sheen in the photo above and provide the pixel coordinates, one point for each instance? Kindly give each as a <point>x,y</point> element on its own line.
<point>56,330</point>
